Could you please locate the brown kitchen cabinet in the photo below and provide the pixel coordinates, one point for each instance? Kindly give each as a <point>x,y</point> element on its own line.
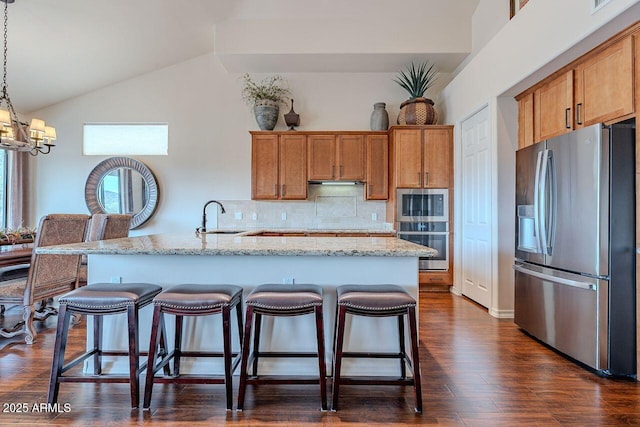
<point>598,87</point>
<point>553,107</point>
<point>525,121</point>
<point>423,156</point>
<point>604,85</point>
<point>377,173</point>
<point>337,157</point>
<point>279,167</point>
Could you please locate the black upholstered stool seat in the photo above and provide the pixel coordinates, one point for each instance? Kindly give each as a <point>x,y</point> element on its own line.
<point>281,300</point>
<point>98,300</point>
<point>193,300</point>
<point>285,297</point>
<point>377,301</point>
<point>198,297</point>
<point>109,296</point>
<point>375,297</point>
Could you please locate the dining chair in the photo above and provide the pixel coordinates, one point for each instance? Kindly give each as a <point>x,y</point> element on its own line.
<point>103,227</point>
<point>49,275</point>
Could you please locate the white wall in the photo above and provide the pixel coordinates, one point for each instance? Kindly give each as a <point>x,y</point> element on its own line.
<point>209,143</point>
<point>487,20</point>
<point>541,38</point>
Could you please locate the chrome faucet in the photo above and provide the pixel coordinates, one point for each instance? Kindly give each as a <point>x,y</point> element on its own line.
<point>204,214</point>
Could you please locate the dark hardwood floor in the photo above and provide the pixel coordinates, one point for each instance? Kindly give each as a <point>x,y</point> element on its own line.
<point>476,371</point>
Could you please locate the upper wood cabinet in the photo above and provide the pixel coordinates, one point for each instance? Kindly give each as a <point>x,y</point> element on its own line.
<point>377,161</point>
<point>408,155</point>
<point>553,106</point>
<point>279,167</point>
<point>604,84</point>
<point>525,121</point>
<point>422,156</point>
<point>437,157</point>
<point>321,152</point>
<point>598,87</point>
<point>336,157</point>
<point>282,162</point>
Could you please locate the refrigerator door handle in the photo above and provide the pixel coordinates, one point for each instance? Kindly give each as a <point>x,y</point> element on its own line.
<point>561,280</point>
<point>550,189</point>
<point>536,204</point>
<point>542,203</point>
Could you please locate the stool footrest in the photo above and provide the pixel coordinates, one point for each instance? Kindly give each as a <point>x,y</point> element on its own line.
<point>374,355</point>
<point>78,360</point>
<point>203,354</point>
<point>102,378</point>
<point>283,354</point>
<point>282,379</point>
<point>190,379</point>
<point>375,380</point>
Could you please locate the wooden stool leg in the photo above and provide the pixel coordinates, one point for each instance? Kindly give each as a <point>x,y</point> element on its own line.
<point>403,351</point>
<point>97,344</point>
<point>163,344</point>
<point>177,348</point>
<point>151,358</point>
<point>340,319</point>
<point>248,322</point>
<point>134,355</point>
<point>58,353</point>
<point>239,320</point>
<point>417,383</point>
<point>226,333</point>
<point>321,356</point>
<point>256,343</point>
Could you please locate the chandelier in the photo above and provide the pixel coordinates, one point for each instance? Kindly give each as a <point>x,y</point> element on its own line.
<point>36,138</point>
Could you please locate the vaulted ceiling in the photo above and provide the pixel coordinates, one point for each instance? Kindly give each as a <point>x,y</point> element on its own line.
<point>59,49</point>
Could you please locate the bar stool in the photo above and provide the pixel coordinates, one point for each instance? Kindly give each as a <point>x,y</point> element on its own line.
<point>99,300</point>
<point>281,300</point>
<point>194,300</point>
<point>377,301</point>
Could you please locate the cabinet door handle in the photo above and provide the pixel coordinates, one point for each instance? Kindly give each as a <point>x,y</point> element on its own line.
<point>419,179</point>
<point>333,171</point>
<point>282,190</point>
<point>578,108</point>
<point>275,190</point>
<point>426,179</point>
<point>566,118</point>
<point>340,171</point>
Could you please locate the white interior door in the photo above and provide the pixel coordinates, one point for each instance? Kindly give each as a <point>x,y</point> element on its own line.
<point>476,208</point>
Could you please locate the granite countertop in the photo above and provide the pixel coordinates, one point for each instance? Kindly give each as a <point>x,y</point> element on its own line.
<point>238,244</point>
<point>309,231</point>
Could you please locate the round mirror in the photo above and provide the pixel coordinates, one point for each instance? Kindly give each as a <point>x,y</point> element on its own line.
<point>122,185</point>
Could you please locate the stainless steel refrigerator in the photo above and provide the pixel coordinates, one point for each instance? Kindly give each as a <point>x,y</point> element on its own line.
<point>575,245</point>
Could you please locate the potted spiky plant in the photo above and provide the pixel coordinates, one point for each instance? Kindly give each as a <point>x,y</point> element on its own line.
<point>416,79</point>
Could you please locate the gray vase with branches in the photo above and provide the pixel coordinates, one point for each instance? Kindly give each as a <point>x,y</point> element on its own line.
<point>265,97</point>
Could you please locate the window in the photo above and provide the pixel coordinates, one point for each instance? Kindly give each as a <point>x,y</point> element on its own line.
<point>125,139</point>
<point>596,5</point>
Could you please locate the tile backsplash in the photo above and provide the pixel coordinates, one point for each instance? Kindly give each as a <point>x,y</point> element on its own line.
<point>326,207</point>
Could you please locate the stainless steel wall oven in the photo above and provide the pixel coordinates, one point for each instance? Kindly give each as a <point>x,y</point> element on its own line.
<point>423,218</point>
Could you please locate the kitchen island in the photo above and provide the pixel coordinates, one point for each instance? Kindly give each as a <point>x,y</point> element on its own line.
<point>249,260</point>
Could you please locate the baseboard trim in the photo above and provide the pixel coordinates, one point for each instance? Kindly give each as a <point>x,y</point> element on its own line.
<point>502,314</point>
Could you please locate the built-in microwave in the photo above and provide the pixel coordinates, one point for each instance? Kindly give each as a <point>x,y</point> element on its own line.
<point>427,204</point>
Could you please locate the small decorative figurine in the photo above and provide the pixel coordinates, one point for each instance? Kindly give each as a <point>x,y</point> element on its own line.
<point>292,119</point>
